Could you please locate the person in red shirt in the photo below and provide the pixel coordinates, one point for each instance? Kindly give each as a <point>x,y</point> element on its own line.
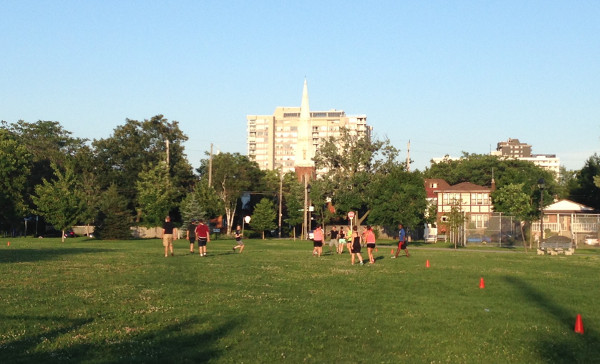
<point>203,236</point>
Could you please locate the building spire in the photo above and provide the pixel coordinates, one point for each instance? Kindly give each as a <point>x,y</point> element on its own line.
<point>304,108</point>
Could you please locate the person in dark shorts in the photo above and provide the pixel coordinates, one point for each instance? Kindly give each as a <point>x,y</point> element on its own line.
<point>356,245</point>
<point>239,244</point>
<point>191,234</point>
<point>370,239</point>
<point>318,241</point>
<point>203,235</point>
<point>402,243</point>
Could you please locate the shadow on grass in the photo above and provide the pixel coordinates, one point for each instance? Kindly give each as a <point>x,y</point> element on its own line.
<point>572,348</point>
<point>171,344</point>
<point>35,255</point>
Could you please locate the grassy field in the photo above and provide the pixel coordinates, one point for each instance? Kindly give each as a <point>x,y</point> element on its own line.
<point>105,302</point>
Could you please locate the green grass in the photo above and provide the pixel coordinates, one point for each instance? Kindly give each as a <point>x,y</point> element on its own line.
<point>104,302</point>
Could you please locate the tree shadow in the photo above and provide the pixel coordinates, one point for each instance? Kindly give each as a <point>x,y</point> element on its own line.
<point>35,255</point>
<point>574,348</point>
<point>171,344</point>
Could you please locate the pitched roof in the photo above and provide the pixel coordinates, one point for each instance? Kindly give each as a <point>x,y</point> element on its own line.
<point>466,187</point>
<point>568,206</point>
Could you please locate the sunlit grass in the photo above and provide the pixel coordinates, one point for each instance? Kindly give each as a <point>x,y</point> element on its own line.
<point>100,302</point>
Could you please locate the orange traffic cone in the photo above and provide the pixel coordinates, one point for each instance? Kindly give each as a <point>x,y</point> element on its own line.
<point>481,283</point>
<point>427,264</point>
<point>392,252</point>
<point>578,325</point>
<point>8,243</point>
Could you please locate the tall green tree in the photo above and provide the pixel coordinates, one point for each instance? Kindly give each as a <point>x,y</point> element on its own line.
<point>15,163</point>
<point>191,209</point>
<point>586,191</point>
<point>397,197</point>
<point>232,174</point>
<point>264,216</point>
<point>156,195</point>
<point>350,162</point>
<point>512,200</point>
<point>57,201</point>
<point>114,219</point>
<point>122,156</point>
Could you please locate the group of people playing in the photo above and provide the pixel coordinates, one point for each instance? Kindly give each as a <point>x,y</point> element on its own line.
<point>354,242</point>
<point>197,232</point>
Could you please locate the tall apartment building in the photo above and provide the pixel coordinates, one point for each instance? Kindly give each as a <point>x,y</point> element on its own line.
<point>512,148</point>
<point>289,138</point>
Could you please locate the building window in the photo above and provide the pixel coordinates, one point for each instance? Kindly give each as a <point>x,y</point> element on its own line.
<point>480,221</point>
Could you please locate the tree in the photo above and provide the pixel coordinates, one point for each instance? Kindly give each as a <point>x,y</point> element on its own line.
<point>208,198</point>
<point>350,161</point>
<point>232,174</point>
<point>397,197</point>
<point>586,191</point>
<point>512,200</point>
<point>156,195</point>
<point>57,201</point>
<point>294,212</point>
<point>191,209</point>
<point>264,216</point>
<point>138,144</point>
<point>456,219</point>
<point>15,162</point>
<point>114,219</point>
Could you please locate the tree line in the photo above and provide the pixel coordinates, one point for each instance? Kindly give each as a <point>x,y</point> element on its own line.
<point>140,174</point>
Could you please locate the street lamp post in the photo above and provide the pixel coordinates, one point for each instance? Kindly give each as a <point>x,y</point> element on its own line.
<point>541,185</point>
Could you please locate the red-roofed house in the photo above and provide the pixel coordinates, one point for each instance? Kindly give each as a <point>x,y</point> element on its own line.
<point>472,199</point>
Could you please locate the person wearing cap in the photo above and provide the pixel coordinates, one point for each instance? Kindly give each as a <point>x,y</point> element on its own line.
<point>191,234</point>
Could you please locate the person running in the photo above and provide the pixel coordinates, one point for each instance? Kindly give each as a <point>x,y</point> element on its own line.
<point>167,236</point>
<point>333,241</point>
<point>191,234</point>
<point>356,245</point>
<point>341,240</point>
<point>370,239</point>
<point>402,243</point>
<point>203,235</point>
<point>318,241</point>
<point>238,239</point>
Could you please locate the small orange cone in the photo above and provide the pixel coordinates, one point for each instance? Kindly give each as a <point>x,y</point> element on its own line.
<point>8,243</point>
<point>578,325</point>
<point>427,264</point>
<point>376,250</point>
<point>481,283</point>
<point>392,253</point>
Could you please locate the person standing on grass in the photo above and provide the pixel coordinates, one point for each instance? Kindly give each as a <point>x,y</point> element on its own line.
<point>349,241</point>
<point>191,234</point>
<point>333,241</point>
<point>238,239</point>
<point>167,236</point>
<point>318,241</point>
<point>370,239</point>
<point>203,236</point>
<point>402,244</point>
<point>356,245</point>
<point>341,240</point>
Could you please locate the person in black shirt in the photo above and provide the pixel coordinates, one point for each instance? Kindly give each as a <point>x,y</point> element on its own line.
<point>167,236</point>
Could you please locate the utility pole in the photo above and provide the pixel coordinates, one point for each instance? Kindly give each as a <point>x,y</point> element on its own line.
<point>167,143</point>
<point>280,197</point>
<point>210,166</point>
<point>408,157</point>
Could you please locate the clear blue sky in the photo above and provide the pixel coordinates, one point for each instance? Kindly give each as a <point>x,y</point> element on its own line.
<point>451,76</point>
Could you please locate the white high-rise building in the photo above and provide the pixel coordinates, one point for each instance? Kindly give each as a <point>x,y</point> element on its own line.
<point>289,138</point>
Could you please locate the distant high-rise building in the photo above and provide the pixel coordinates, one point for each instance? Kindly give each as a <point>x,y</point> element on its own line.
<point>512,148</point>
<point>289,138</point>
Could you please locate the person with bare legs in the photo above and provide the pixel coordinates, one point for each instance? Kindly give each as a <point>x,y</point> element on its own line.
<point>342,240</point>
<point>318,241</point>
<point>167,236</point>
<point>239,244</point>
<point>191,234</point>
<point>356,245</point>
<point>203,236</point>
<point>402,243</point>
<point>370,239</point>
